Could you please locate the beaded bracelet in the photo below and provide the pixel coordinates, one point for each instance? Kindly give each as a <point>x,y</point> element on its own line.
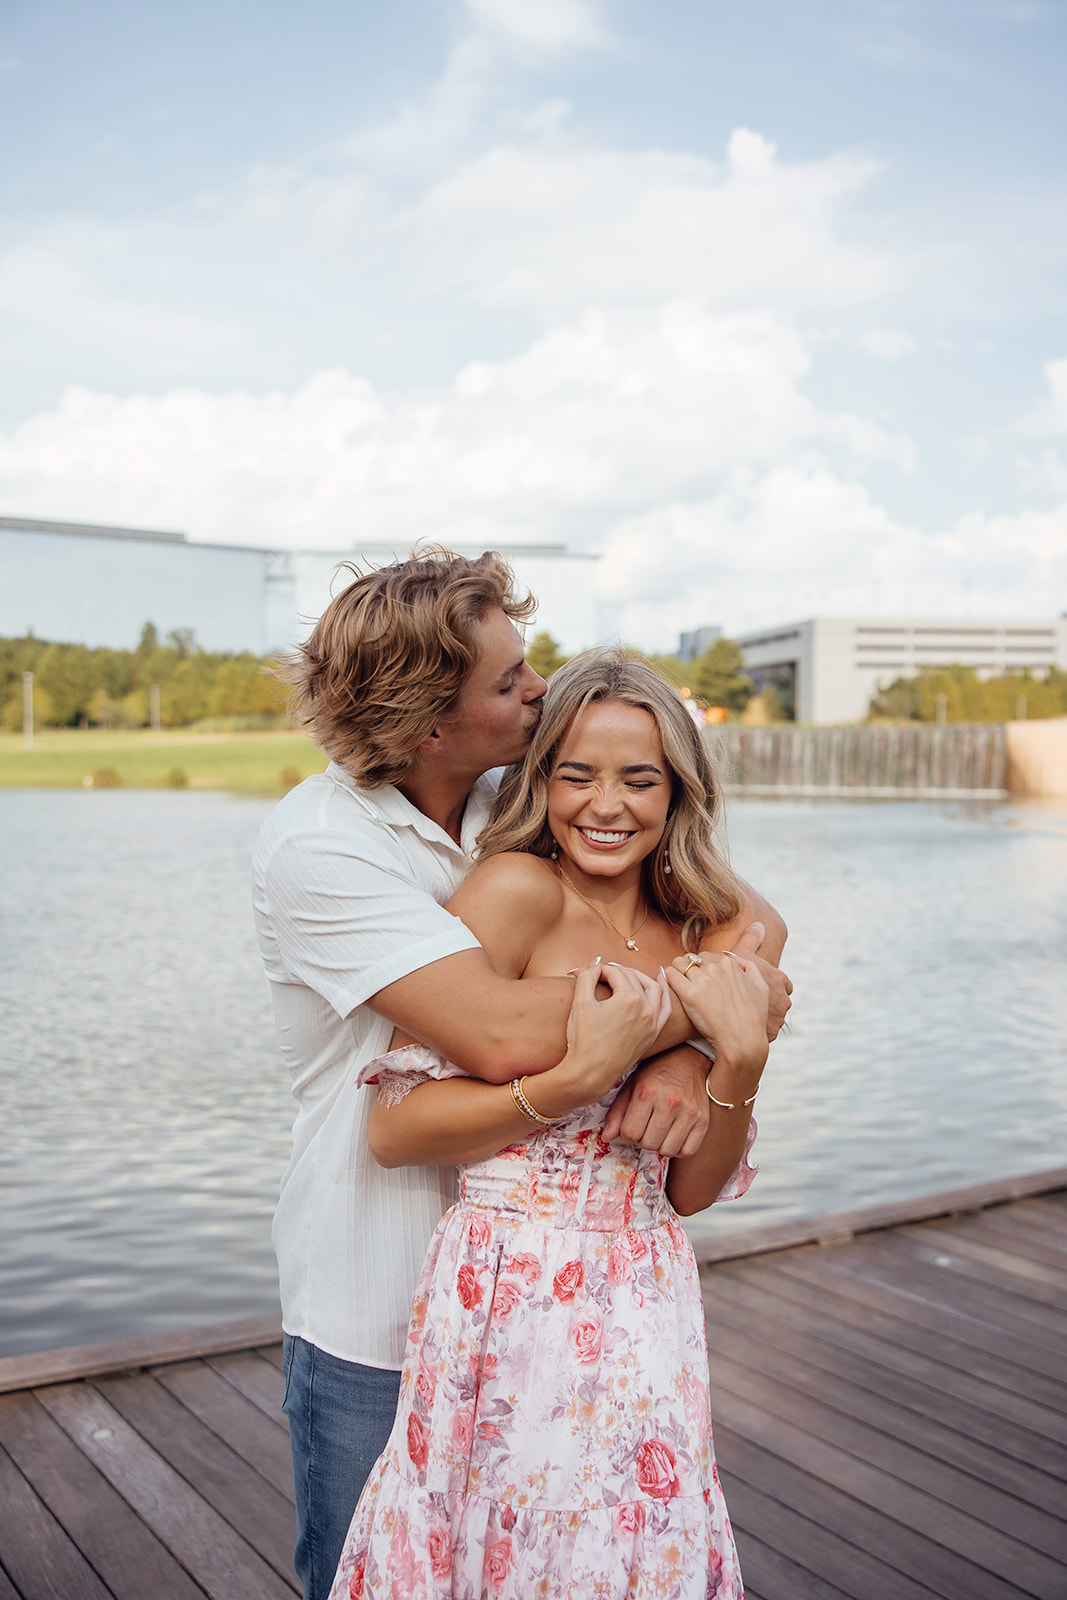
<point>727,1105</point>
<point>524,1105</point>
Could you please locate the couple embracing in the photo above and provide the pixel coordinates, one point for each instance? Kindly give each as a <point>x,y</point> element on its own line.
<point>578,1025</point>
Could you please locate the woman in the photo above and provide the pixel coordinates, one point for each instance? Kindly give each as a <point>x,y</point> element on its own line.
<point>553,1434</point>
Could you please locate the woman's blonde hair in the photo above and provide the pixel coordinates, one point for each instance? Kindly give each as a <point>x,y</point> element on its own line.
<point>700,890</point>
<point>389,655</point>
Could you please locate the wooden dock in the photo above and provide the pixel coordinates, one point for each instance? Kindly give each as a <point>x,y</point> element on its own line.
<point>889,1388</point>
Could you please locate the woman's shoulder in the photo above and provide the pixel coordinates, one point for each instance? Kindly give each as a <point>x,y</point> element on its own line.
<point>513,872</point>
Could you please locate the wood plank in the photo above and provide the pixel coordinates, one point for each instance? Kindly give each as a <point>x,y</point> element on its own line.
<point>1050,1210</point>
<point>273,1354</point>
<point>838,1226</point>
<point>143,1350</point>
<point>833,1390</point>
<point>955,1554</point>
<point>9,1592</point>
<point>253,1377</point>
<point>123,1551</point>
<point>780,1578</point>
<point>37,1556</point>
<point>259,1513</point>
<point>843,1276</point>
<point>1026,1273</point>
<point>805,1543</point>
<point>937,1478</point>
<point>888,1260</point>
<point>1049,1226</point>
<point>205,1544</point>
<point>985,1267</point>
<point>258,1439</point>
<point>1019,1241</point>
<point>855,1314</point>
<point>1023,1429</point>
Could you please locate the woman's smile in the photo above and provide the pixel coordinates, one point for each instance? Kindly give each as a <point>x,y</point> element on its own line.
<point>610,792</point>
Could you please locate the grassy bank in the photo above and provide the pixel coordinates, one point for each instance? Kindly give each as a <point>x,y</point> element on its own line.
<point>247,763</point>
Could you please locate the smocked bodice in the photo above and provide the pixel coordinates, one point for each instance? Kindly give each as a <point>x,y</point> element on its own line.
<point>565,1176</point>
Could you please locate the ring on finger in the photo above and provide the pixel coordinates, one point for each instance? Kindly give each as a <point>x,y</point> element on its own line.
<point>694,961</point>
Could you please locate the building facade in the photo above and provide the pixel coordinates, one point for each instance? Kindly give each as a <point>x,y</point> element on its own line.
<point>77,583</point>
<point>827,668</point>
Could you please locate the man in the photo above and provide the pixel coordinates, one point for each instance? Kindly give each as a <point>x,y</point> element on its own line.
<point>415,683</point>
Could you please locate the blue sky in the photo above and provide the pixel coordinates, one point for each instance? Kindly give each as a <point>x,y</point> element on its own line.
<point>764,302</point>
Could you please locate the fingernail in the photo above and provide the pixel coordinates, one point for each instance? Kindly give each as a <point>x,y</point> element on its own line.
<point>753,927</point>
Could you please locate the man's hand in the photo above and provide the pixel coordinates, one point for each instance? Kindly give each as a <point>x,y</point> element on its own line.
<point>664,1106</point>
<point>779,985</point>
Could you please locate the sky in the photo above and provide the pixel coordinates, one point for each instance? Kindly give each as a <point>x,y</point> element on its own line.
<point>766,303</point>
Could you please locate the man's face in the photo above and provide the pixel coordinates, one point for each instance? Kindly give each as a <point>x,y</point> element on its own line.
<point>500,703</point>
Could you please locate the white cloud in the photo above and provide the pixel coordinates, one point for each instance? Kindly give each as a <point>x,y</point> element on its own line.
<point>888,344</point>
<point>557,225</point>
<point>544,25</point>
<point>1050,413</point>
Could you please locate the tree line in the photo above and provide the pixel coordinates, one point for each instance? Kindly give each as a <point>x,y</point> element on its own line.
<point>716,678</point>
<point>958,694</point>
<point>74,686</point>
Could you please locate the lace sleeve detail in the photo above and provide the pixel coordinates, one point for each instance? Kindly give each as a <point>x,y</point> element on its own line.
<point>740,1180</point>
<point>396,1074</point>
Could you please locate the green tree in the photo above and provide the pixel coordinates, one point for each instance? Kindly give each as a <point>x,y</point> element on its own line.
<point>67,674</point>
<point>544,654</point>
<point>245,687</point>
<point>718,679</point>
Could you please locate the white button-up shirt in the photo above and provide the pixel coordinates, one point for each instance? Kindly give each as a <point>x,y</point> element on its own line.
<point>349,887</point>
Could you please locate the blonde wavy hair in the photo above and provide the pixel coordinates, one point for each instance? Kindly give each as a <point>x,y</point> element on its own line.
<point>700,891</point>
<point>390,654</point>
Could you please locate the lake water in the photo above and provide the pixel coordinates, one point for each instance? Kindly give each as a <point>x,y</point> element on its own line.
<point>145,1114</point>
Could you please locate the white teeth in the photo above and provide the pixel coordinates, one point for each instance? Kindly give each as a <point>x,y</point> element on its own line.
<point>598,836</point>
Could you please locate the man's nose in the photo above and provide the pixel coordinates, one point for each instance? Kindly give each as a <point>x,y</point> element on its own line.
<point>535,685</point>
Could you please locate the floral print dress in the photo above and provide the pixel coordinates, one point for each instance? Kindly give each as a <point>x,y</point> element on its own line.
<point>553,1434</point>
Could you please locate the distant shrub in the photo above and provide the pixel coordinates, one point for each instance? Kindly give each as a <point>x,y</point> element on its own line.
<point>106,778</point>
<point>289,777</point>
<point>177,778</point>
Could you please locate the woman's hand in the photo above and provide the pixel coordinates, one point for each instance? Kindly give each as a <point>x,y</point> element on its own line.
<point>726,999</point>
<point>604,1037</point>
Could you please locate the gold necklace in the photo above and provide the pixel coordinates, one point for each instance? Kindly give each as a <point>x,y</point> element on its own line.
<point>629,942</point>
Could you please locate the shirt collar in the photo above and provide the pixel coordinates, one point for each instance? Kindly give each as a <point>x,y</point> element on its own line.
<point>397,810</point>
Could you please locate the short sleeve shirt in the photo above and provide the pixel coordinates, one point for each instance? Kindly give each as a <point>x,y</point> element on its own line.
<point>349,887</point>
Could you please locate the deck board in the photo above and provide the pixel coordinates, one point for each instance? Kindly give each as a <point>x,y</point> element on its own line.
<point>889,1389</point>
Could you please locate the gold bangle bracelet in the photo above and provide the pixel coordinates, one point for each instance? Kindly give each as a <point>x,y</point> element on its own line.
<point>727,1105</point>
<point>524,1105</point>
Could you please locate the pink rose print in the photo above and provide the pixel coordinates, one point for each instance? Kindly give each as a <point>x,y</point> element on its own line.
<point>356,1581</point>
<point>498,1562</point>
<point>506,1300</point>
<point>525,1266</point>
<point>479,1233</point>
<point>638,1247</point>
<point>586,1336</point>
<point>468,1287</point>
<point>507,1517</point>
<point>629,1518</point>
<point>488,1430</point>
<point>418,1441</point>
<point>620,1267</point>
<point>568,1281</point>
<point>656,1475</point>
<point>463,1430</point>
<point>426,1385</point>
<point>439,1544</point>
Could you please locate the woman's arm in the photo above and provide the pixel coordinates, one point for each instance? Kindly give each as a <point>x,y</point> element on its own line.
<point>461,1119</point>
<point>727,998</point>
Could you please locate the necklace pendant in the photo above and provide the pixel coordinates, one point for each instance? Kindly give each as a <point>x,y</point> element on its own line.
<point>630,945</point>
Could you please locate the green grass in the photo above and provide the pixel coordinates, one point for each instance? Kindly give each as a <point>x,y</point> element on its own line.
<point>247,763</point>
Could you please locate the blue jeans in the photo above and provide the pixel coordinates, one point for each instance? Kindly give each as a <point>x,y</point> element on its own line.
<point>340,1416</point>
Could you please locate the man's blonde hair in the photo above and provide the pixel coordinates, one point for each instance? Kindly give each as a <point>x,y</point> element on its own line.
<point>390,654</point>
